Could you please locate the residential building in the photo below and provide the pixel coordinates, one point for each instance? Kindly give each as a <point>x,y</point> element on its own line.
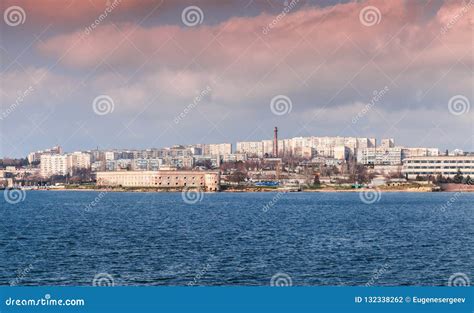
<point>36,156</point>
<point>54,164</point>
<point>419,152</point>
<point>380,156</point>
<point>388,143</point>
<point>251,148</point>
<point>341,152</point>
<point>218,149</point>
<point>235,157</point>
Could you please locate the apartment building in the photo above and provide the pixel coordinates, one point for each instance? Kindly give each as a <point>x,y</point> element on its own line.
<point>305,146</point>
<point>380,156</point>
<point>63,164</point>
<point>53,164</point>
<point>218,149</point>
<point>388,143</point>
<point>36,156</point>
<point>251,148</point>
<point>419,152</point>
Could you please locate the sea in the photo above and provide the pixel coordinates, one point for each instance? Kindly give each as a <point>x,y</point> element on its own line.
<point>83,238</point>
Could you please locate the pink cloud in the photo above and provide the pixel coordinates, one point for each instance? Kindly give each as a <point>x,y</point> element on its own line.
<point>311,34</point>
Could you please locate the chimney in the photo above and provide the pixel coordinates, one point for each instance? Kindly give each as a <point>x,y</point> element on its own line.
<point>275,142</point>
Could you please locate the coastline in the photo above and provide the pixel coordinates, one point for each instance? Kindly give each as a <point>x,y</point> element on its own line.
<point>469,188</point>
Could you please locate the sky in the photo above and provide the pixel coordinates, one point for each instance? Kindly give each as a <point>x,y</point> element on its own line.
<point>142,74</point>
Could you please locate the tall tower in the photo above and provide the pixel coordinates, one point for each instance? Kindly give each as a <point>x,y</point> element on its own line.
<point>275,142</point>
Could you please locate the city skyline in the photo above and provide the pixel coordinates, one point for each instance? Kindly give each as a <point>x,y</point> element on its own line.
<point>378,142</point>
<point>144,74</point>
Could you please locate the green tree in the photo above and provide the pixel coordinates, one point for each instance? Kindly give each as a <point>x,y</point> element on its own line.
<point>458,178</point>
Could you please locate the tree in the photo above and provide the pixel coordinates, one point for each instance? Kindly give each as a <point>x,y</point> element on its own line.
<point>458,178</point>
<point>237,177</point>
<point>469,180</point>
<point>440,179</point>
<point>316,180</point>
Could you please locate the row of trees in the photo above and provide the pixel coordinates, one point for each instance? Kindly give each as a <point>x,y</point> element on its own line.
<point>13,162</point>
<point>459,178</point>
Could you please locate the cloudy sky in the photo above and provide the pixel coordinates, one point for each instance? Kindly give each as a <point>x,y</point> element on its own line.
<point>152,73</point>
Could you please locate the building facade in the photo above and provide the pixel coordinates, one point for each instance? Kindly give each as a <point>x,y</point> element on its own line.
<point>209,181</point>
<point>419,152</point>
<point>447,166</point>
<point>380,156</point>
<point>36,156</point>
<point>63,164</point>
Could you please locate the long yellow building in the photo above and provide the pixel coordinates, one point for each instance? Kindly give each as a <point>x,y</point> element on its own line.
<point>209,181</point>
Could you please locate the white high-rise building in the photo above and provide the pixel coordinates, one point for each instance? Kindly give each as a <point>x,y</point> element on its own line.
<point>251,148</point>
<point>219,149</point>
<point>53,164</point>
<point>78,160</point>
<point>380,156</point>
<point>63,164</point>
<point>388,143</point>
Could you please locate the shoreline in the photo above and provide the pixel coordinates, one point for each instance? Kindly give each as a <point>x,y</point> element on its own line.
<point>268,190</point>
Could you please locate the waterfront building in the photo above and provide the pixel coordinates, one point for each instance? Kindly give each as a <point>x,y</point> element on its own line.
<point>206,180</point>
<point>447,166</point>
